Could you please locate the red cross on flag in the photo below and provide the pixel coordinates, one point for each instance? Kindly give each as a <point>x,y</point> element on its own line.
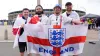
<point>55,40</point>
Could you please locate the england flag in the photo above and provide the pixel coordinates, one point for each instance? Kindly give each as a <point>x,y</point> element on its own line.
<point>55,40</point>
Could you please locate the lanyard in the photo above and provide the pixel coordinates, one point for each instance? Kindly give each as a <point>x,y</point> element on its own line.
<point>60,20</point>
<point>56,20</point>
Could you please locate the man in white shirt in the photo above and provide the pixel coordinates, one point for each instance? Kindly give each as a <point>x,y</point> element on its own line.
<point>69,13</point>
<point>42,17</point>
<point>72,14</point>
<point>57,18</point>
<point>20,21</point>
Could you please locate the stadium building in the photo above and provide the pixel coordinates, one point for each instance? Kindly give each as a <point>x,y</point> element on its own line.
<point>12,15</point>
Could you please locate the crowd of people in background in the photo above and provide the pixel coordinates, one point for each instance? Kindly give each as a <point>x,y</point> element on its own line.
<point>91,23</point>
<point>94,24</point>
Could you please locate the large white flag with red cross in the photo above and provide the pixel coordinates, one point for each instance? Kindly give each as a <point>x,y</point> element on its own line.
<point>53,40</point>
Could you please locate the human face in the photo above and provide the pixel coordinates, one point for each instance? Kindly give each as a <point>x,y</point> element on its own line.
<point>39,10</point>
<point>57,10</point>
<point>25,13</point>
<point>68,8</point>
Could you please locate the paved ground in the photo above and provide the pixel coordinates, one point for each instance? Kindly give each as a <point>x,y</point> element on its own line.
<point>91,50</point>
<point>92,35</point>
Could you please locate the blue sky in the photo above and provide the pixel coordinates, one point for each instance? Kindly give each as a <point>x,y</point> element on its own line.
<point>90,6</point>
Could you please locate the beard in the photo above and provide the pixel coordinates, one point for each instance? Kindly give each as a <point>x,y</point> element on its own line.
<point>39,12</point>
<point>57,13</point>
<point>69,9</point>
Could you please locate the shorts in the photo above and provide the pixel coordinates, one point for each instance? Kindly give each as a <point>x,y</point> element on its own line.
<point>22,46</point>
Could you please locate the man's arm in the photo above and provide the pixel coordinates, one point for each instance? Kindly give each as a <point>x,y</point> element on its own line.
<point>70,20</point>
<point>77,16</point>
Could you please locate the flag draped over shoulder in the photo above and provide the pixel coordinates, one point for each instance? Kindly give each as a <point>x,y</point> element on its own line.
<point>17,24</point>
<point>47,40</point>
<point>16,29</point>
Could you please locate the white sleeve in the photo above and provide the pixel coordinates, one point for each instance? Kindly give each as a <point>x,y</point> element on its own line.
<point>45,19</point>
<point>66,19</point>
<point>49,20</point>
<point>77,16</point>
